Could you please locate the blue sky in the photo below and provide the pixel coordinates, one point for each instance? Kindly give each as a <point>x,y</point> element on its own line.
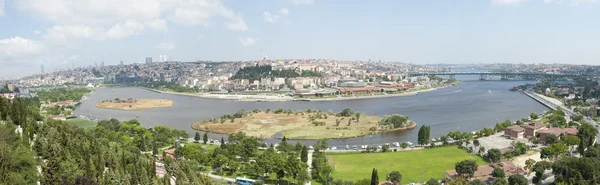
<point>61,33</point>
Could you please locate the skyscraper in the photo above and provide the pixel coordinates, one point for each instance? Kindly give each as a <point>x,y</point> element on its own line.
<point>42,68</point>
<point>148,60</point>
<point>121,62</point>
<point>163,58</point>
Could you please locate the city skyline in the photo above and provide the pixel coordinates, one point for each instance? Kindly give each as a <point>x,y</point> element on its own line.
<point>65,33</point>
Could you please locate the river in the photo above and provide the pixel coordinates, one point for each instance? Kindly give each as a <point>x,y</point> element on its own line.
<point>467,106</point>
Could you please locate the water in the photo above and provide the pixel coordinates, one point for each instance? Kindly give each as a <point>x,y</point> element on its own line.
<point>467,107</point>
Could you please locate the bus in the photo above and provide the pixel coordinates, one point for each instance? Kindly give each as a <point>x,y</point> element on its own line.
<point>244,181</point>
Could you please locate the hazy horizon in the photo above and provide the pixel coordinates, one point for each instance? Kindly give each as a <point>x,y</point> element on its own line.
<point>66,33</point>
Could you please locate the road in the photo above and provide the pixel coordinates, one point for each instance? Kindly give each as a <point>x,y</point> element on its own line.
<point>309,162</point>
<point>216,177</point>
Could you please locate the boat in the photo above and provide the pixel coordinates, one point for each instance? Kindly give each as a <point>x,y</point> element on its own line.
<point>490,91</point>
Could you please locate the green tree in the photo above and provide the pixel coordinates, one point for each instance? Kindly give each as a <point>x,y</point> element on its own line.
<point>197,137</point>
<point>304,154</point>
<point>533,116</point>
<point>587,135</point>
<point>363,182</point>
<point>423,136</point>
<point>385,148</point>
<point>494,155</point>
<point>498,173</point>
<point>433,181</point>
<point>517,179</point>
<point>357,115</point>
<point>551,139</point>
<point>205,138</point>
<point>374,177</point>
<point>394,177</point>
<point>466,168</point>
<point>529,163</point>
<point>499,181</point>
<point>404,145</point>
<point>475,182</point>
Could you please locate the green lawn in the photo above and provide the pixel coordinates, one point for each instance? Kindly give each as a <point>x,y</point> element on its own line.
<point>411,164</point>
<point>85,124</point>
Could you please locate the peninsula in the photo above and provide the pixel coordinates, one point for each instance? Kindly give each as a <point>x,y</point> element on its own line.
<point>308,124</point>
<point>134,104</point>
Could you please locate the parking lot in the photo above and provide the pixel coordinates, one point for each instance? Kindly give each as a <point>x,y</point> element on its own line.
<point>495,141</point>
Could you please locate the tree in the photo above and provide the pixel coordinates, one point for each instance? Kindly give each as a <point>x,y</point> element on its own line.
<point>499,181</point>
<point>385,148</point>
<point>374,177</point>
<point>587,135</point>
<point>197,137</point>
<point>205,138</point>
<point>481,150</point>
<point>404,145</point>
<point>304,154</point>
<point>466,168</point>
<point>517,179</point>
<point>494,155</point>
<point>533,115</point>
<point>423,136</point>
<point>363,182</point>
<point>529,163</point>
<point>571,141</point>
<point>475,182</point>
<point>551,139</point>
<point>357,115</point>
<point>498,173</point>
<point>222,143</point>
<point>433,181</point>
<point>394,177</point>
<point>539,168</point>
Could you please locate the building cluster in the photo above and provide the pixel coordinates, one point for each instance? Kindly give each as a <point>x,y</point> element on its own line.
<point>217,76</point>
<point>536,129</point>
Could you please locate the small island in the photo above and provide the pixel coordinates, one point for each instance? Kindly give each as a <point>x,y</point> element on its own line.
<point>308,124</point>
<point>134,104</point>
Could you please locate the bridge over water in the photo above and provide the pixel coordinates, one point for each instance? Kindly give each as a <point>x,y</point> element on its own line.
<point>503,75</point>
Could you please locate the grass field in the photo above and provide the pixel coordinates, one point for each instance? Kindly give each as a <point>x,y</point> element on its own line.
<point>85,124</point>
<point>415,166</point>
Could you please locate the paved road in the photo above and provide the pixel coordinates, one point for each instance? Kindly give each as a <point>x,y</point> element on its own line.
<point>309,162</point>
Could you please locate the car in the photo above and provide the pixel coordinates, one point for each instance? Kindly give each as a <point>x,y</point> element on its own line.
<point>347,147</point>
<point>334,148</point>
<point>354,147</point>
<point>379,147</point>
<point>311,147</point>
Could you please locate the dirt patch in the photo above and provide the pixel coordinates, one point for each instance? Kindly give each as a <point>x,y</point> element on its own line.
<point>297,125</point>
<point>134,104</point>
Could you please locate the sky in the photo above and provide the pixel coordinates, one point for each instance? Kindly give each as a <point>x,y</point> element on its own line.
<point>66,33</point>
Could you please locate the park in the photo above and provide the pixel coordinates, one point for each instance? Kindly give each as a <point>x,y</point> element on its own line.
<point>414,165</point>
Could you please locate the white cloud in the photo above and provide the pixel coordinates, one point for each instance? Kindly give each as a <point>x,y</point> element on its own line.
<point>2,3</point>
<point>284,11</point>
<point>237,25</point>
<point>270,17</point>
<point>158,24</point>
<point>248,41</point>
<point>104,14</point>
<point>37,32</point>
<point>166,46</point>
<point>302,2</point>
<point>122,30</point>
<point>507,2</point>
<point>17,47</point>
<point>66,33</point>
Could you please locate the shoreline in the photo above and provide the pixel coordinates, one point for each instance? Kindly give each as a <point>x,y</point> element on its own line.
<point>283,98</point>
